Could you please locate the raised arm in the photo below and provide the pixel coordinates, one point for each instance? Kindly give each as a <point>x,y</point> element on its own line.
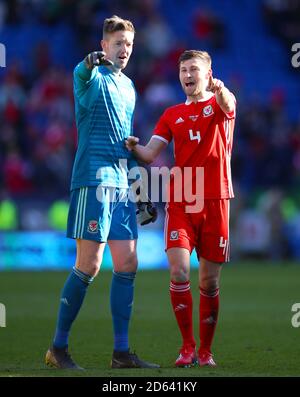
<point>224,97</point>
<point>85,72</point>
<point>147,153</point>
<point>85,68</point>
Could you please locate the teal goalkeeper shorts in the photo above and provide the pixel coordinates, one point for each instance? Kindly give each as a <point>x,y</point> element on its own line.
<point>101,214</point>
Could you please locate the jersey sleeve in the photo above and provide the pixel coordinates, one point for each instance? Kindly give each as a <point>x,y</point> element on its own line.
<point>83,82</point>
<point>83,76</point>
<point>162,130</point>
<point>231,115</point>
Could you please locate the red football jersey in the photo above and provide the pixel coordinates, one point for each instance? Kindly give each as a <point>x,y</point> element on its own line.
<point>203,136</point>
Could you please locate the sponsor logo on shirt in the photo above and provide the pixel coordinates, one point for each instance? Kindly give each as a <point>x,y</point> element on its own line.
<point>207,111</point>
<point>93,227</point>
<point>180,120</point>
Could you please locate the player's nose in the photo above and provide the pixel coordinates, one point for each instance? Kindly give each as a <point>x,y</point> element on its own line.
<point>123,47</point>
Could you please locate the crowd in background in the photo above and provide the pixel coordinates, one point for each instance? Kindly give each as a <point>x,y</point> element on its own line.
<point>38,133</point>
<point>283,17</point>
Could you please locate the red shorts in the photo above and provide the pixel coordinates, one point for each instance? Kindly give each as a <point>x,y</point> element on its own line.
<point>206,231</point>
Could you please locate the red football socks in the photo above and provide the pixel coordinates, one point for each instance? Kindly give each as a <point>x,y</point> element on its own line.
<point>182,302</point>
<point>208,317</point>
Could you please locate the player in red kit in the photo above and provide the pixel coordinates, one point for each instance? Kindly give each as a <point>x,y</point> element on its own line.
<point>202,131</point>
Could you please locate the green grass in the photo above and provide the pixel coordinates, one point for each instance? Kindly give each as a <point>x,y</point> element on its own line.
<point>254,335</point>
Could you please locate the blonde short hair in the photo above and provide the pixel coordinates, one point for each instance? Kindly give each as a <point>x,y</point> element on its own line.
<point>189,54</point>
<point>115,24</point>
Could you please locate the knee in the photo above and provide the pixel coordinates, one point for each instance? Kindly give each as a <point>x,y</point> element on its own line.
<point>179,273</point>
<point>90,265</point>
<point>94,269</point>
<point>128,264</point>
<point>209,285</point>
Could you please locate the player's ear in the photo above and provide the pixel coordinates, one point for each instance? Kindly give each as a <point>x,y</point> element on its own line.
<point>209,74</point>
<point>103,44</point>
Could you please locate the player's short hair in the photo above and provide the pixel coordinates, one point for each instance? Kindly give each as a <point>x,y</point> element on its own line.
<point>115,24</point>
<point>189,54</point>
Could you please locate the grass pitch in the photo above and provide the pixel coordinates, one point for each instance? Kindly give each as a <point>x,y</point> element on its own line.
<point>254,336</point>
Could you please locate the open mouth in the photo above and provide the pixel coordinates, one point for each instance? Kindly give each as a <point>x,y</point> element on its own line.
<point>189,84</point>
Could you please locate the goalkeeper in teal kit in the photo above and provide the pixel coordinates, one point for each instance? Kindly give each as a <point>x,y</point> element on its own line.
<point>100,208</point>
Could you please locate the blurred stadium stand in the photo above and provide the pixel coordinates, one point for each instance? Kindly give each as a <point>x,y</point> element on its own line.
<point>250,42</point>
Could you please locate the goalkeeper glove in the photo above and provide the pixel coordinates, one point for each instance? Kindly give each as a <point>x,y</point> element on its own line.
<point>146,211</point>
<point>96,58</point>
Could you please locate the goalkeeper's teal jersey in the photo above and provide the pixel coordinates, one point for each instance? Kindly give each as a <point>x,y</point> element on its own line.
<point>104,110</point>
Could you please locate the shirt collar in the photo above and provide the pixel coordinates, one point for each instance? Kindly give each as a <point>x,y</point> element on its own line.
<point>209,96</point>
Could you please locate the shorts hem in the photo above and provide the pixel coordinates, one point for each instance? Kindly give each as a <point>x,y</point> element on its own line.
<point>88,239</point>
<point>102,240</point>
<point>180,246</point>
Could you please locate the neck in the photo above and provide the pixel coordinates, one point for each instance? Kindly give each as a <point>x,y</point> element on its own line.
<point>115,70</point>
<point>203,95</point>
